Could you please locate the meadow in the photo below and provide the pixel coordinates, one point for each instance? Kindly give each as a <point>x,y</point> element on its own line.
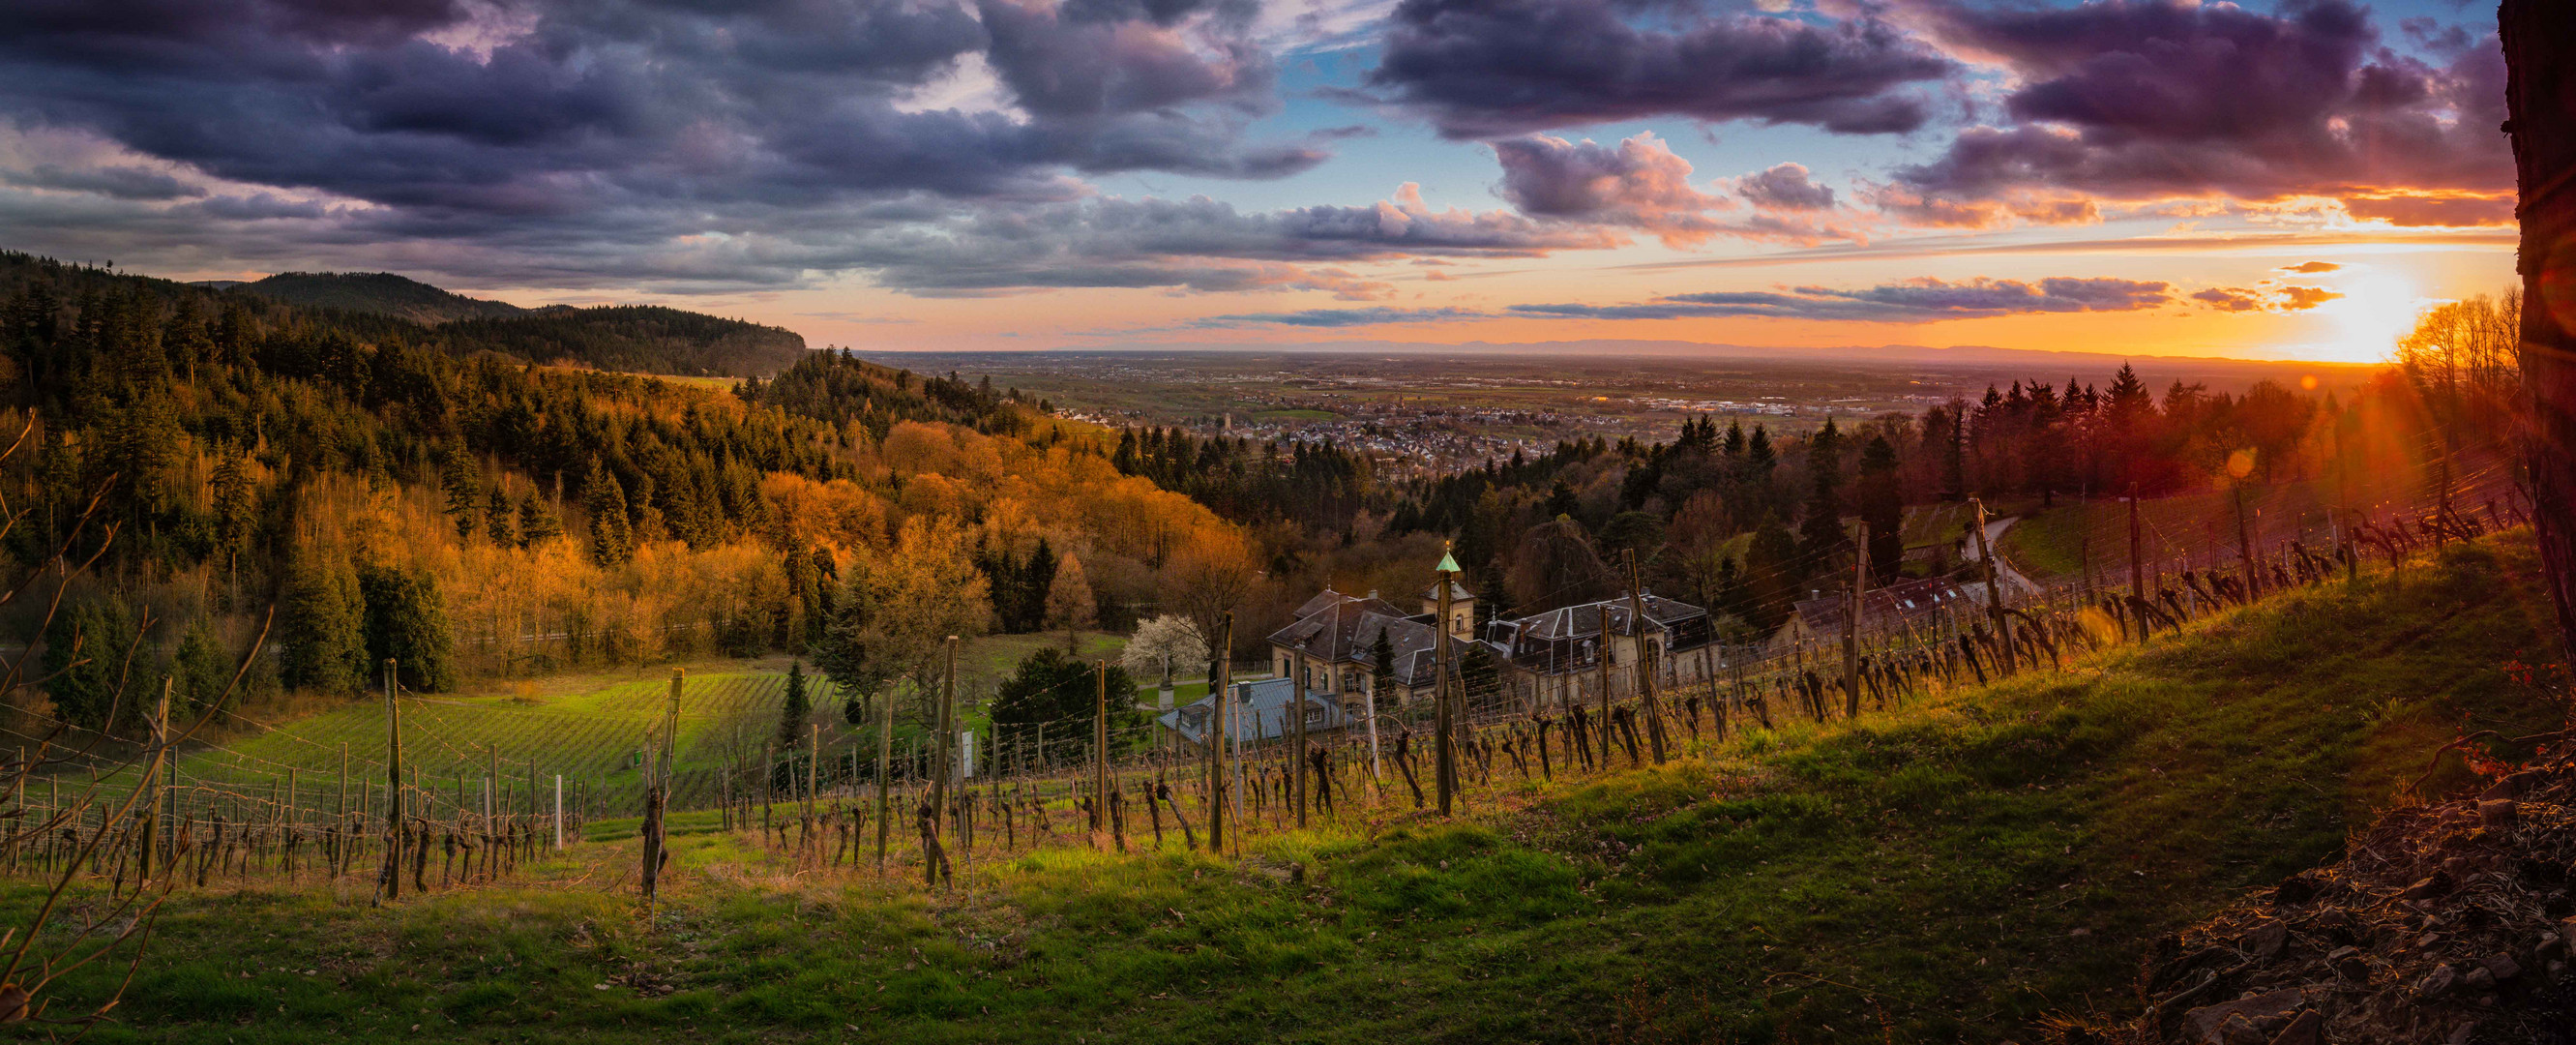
<point>1960,868</point>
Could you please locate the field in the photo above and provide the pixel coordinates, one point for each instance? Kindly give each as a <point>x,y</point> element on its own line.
<point>589,727</point>
<point>1954,870</point>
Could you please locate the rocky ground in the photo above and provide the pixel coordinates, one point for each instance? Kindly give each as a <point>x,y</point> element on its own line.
<point>2445,923</point>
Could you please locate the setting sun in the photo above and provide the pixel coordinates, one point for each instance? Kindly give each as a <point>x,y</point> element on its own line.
<point>2371,316</point>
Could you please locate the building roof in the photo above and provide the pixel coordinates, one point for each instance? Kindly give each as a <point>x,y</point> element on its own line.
<point>1338,628</point>
<point>1457,593</point>
<point>1584,620</point>
<point>1261,711</point>
<point>1904,600</point>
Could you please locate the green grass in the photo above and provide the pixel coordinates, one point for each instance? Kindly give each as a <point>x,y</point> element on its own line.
<point>2052,540</point>
<point>1951,871</point>
<point>587,726</point>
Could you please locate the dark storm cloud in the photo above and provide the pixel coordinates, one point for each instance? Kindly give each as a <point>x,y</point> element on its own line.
<point>120,181</point>
<point>2132,99</point>
<point>1491,68</point>
<point>744,143</point>
<point>1197,243</point>
<point>1909,301</point>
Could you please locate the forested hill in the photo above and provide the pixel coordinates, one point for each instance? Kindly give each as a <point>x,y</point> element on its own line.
<point>377,293</point>
<point>636,339</point>
<point>414,492</point>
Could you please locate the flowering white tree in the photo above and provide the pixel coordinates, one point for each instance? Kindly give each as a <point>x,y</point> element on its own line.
<point>1161,643</point>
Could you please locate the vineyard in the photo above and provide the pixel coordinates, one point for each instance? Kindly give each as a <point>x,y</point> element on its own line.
<point>304,800</point>
<point>2128,794</point>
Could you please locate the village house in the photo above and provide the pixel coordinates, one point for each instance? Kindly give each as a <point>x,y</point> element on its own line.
<point>1331,646</point>
<point>1260,714</point>
<point>1554,657</point>
<point>1540,660</point>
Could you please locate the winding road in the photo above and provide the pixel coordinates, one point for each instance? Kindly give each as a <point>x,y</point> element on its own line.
<point>2004,571</point>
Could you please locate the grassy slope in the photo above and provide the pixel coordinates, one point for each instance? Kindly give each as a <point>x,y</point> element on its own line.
<point>1951,871</point>
<point>584,725</point>
<point>2048,541</point>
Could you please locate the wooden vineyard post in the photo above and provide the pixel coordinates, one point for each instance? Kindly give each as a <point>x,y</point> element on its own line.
<point>656,795</point>
<point>1221,695</point>
<point>1603,726</point>
<point>1994,595</point>
<point>885,762</point>
<point>1645,663</point>
<point>2245,544</point>
<point>2137,565</point>
<point>1297,693</point>
<point>151,832</point>
<point>1444,718</point>
<point>768,785</point>
<point>1100,752</point>
<point>942,736</point>
<point>558,812</point>
<point>1851,624</point>
<point>389,884</point>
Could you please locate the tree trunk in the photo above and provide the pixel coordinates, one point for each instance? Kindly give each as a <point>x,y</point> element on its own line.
<point>2540,104</point>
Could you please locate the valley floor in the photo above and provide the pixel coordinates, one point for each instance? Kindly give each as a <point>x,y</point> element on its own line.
<point>1956,870</point>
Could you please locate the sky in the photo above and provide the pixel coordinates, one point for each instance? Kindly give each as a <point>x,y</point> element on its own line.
<point>2291,180</point>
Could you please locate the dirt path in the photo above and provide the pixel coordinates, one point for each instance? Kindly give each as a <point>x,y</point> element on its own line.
<point>2004,571</point>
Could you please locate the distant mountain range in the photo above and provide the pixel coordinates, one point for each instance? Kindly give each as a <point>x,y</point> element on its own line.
<point>635,338</point>
<point>1983,362</point>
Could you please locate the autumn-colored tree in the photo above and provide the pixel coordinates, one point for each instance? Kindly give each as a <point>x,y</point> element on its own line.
<point>898,606</point>
<point>1070,604</point>
<point>1211,577</point>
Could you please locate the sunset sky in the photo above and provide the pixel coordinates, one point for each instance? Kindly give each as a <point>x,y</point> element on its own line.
<point>2136,176</point>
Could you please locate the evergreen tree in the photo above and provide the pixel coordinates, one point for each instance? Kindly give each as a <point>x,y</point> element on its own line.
<point>231,495</point>
<point>1954,452</point>
<point>798,708</point>
<point>612,537</point>
<point>323,619</point>
<point>1882,508</point>
<point>1774,573</point>
<point>1052,688</point>
<point>406,620</point>
<point>464,493</point>
<point>1820,531</point>
<point>86,649</point>
<point>1382,664</point>
<point>1561,500</point>
<point>536,524</point>
<point>497,518</point>
<point>200,669</point>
